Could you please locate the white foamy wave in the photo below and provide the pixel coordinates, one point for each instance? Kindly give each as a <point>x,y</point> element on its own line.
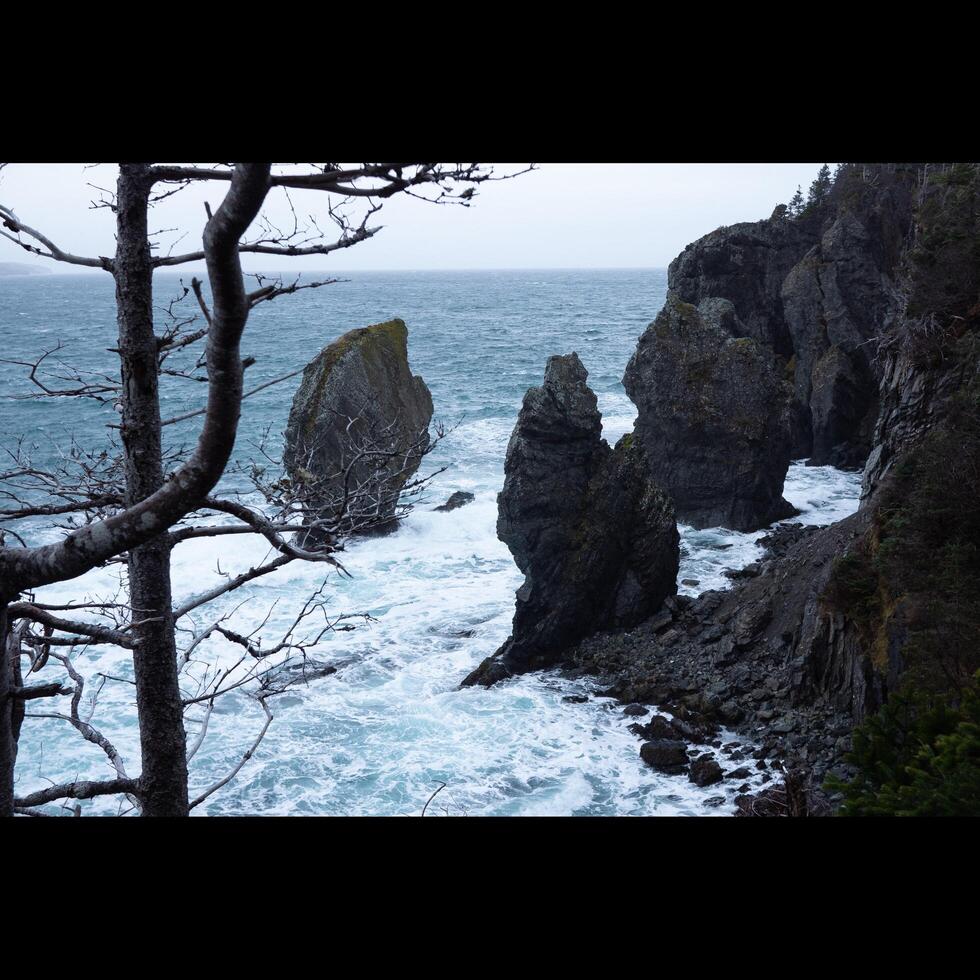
<point>822,494</point>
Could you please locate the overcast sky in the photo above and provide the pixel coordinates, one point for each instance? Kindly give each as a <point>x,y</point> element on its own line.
<point>560,216</point>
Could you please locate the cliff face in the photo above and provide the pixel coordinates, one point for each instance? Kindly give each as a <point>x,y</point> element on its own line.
<point>712,416</point>
<point>746,264</point>
<point>815,290</point>
<point>837,620</point>
<point>593,535</point>
<point>923,359</point>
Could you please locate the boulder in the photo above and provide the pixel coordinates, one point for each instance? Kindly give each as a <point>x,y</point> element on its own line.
<point>358,429</point>
<point>665,755</point>
<point>593,534</point>
<point>712,418</point>
<point>705,772</point>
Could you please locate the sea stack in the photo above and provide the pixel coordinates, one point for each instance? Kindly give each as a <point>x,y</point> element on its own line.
<point>713,417</point>
<point>358,428</point>
<point>593,534</point>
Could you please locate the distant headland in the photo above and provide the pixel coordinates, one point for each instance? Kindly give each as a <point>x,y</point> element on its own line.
<point>22,269</point>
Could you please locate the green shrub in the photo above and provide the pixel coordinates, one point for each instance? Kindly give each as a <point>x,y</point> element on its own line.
<point>916,759</point>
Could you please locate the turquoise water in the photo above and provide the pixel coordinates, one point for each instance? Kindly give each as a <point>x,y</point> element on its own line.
<point>382,733</point>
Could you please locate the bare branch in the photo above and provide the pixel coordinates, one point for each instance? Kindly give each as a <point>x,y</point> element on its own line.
<point>24,610</point>
<point>11,222</point>
<point>248,755</point>
<point>77,790</point>
<point>230,586</point>
<point>86,547</point>
<point>247,394</point>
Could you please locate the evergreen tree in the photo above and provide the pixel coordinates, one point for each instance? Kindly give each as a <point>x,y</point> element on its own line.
<point>820,188</point>
<point>795,206</point>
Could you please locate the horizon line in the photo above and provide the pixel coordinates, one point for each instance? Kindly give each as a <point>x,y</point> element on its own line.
<point>501,268</point>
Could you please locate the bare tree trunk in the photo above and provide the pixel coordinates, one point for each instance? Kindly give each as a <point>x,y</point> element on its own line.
<point>8,720</point>
<point>163,783</point>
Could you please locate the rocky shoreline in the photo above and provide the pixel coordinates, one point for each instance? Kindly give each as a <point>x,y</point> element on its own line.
<point>843,332</point>
<point>723,659</point>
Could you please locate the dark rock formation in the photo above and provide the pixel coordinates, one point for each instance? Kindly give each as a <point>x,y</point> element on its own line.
<point>835,620</point>
<point>665,755</point>
<point>914,399</point>
<point>593,534</point>
<point>459,499</point>
<point>815,290</point>
<point>712,417</point>
<point>705,772</point>
<point>842,410</point>
<point>836,300</point>
<point>922,369</point>
<point>769,658</point>
<point>746,264</point>
<point>358,428</point>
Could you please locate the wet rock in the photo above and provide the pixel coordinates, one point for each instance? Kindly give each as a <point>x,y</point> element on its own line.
<point>658,728</point>
<point>636,710</point>
<point>749,571</point>
<point>690,581</point>
<point>705,771</point>
<point>665,755</point>
<point>731,712</point>
<point>362,376</point>
<point>743,772</point>
<point>712,419</point>
<point>782,537</point>
<point>594,536</point>
<point>311,670</point>
<point>459,499</point>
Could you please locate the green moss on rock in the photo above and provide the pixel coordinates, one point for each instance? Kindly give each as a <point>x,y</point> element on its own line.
<point>370,340</point>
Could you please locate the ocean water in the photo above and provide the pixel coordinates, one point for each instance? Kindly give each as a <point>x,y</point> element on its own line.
<point>381,734</point>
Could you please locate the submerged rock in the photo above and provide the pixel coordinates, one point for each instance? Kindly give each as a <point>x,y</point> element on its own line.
<point>459,499</point>
<point>593,534</point>
<point>712,419</point>
<point>358,428</point>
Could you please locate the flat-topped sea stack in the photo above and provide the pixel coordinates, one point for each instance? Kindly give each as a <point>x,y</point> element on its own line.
<point>713,417</point>
<point>358,428</point>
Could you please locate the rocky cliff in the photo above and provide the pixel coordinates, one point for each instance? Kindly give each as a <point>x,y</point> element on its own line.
<point>816,290</point>
<point>358,429</point>
<point>713,416</point>
<point>594,536</point>
<point>875,621</point>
